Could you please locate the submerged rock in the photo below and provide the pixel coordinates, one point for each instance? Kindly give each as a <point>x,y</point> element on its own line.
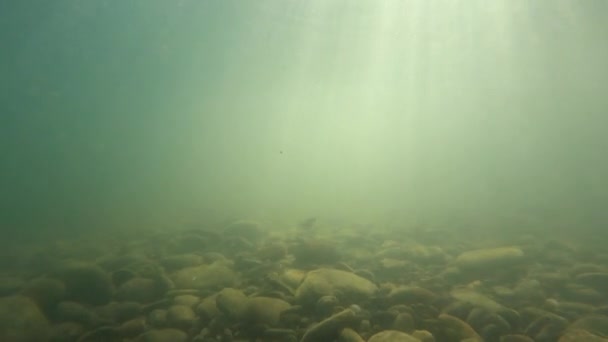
<point>578,335</point>
<point>205,277</point>
<point>86,283</point>
<point>346,286</point>
<point>595,280</point>
<point>257,310</point>
<point>315,252</point>
<point>263,310</point>
<point>140,290</point>
<point>596,324</point>
<point>330,328</point>
<point>66,332</point>
<point>46,292</point>
<point>231,302</point>
<point>349,335</point>
<point>515,338</point>
<point>453,328</point>
<point>411,295</point>
<point>10,285</point>
<point>176,262</point>
<point>163,335</point>
<point>181,317</point>
<point>488,258</point>
<point>250,230</point>
<point>22,321</point>
<point>392,336</point>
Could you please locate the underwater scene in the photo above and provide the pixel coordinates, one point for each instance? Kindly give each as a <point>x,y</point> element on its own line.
<point>303,171</point>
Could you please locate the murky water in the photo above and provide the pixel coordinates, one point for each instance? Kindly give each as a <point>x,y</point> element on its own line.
<point>232,170</point>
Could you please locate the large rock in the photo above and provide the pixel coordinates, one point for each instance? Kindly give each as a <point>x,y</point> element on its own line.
<point>347,286</point>
<point>22,321</point>
<point>488,258</point>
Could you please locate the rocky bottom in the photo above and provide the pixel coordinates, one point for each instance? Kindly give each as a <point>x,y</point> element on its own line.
<point>248,282</point>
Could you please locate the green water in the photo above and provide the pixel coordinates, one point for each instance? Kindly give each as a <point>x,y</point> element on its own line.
<point>163,113</point>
